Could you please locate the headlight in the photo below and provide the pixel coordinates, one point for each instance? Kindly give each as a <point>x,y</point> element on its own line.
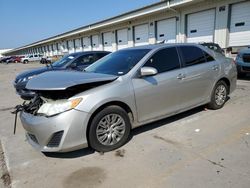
<point>26,78</point>
<point>59,106</point>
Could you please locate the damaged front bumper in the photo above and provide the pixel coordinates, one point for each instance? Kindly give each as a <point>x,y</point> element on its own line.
<point>59,133</point>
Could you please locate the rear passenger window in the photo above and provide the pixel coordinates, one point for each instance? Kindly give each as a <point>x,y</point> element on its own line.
<point>208,57</point>
<point>164,60</point>
<point>100,55</point>
<point>192,55</point>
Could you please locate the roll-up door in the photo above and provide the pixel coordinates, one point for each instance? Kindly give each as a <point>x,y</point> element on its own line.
<point>240,24</point>
<point>107,41</point>
<point>141,35</point>
<point>71,46</point>
<point>200,26</point>
<point>78,45</point>
<point>166,30</point>
<point>95,42</point>
<point>86,44</point>
<point>122,38</point>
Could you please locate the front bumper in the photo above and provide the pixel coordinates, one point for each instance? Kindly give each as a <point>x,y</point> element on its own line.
<point>66,131</point>
<point>22,91</point>
<point>243,67</point>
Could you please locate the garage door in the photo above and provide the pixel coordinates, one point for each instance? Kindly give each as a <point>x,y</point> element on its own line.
<point>95,42</point>
<point>86,44</point>
<point>54,49</point>
<point>166,30</point>
<point>200,26</point>
<point>78,45</point>
<point>107,41</point>
<point>50,50</point>
<point>240,25</point>
<point>141,35</point>
<point>63,47</point>
<point>71,46</point>
<point>122,38</point>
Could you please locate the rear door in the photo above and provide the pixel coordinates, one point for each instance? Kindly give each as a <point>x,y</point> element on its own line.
<point>160,94</point>
<point>200,73</point>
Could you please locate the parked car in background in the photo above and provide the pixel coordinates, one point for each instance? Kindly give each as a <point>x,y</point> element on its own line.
<point>121,91</point>
<point>17,59</point>
<point>76,61</point>
<point>243,62</point>
<point>10,60</point>
<point>46,60</point>
<point>5,59</point>
<point>30,58</point>
<point>213,46</point>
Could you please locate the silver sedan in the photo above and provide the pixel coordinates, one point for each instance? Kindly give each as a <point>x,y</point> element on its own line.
<point>124,90</point>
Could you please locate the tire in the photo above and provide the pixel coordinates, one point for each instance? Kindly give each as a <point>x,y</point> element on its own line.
<point>219,95</point>
<point>102,122</point>
<point>25,61</point>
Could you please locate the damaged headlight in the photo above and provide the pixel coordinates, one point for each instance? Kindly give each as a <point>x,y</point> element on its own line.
<point>56,107</point>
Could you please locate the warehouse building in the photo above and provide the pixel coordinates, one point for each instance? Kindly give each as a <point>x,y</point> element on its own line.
<point>226,22</point>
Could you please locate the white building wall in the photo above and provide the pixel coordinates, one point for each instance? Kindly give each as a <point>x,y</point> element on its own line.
<point>4,50</point>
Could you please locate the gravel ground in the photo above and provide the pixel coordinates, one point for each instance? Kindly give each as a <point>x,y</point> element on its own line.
<point>198,148</point>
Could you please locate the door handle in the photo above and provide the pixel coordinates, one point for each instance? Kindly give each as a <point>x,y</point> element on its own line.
<point>215,67</point>
<point>181,76</point>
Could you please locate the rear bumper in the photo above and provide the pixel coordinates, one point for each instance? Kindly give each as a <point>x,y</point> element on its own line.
<point>60,133</point>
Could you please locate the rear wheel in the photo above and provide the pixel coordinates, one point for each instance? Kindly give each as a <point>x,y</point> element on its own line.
<point>109,129</point>
<point>219,95</point>
<point>25,61</point>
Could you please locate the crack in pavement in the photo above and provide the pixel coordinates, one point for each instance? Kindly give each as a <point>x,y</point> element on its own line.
<point>5,176</point>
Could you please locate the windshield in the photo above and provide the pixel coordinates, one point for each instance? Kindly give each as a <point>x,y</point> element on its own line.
<point>64,60</point>
<point>118,63</point>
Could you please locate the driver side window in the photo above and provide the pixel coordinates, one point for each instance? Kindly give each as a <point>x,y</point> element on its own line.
<point>164,60</point>
<point>84,60</point>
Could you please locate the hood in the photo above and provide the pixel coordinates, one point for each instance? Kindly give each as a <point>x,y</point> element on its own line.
<point>32,72</point>
<point>61,80</point>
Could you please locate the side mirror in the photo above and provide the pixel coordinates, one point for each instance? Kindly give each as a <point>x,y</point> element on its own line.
<point>148,71</point>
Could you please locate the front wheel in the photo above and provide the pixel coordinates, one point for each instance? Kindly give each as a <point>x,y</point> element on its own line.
<point>109,129</point>
<point>219,95</point>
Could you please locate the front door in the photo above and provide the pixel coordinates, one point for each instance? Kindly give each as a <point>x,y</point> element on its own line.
<point>158,95</point>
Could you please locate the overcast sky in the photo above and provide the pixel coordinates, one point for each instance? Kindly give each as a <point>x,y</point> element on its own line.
<point>27,21</point>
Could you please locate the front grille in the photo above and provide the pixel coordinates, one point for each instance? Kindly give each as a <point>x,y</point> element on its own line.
<point>33,138</point>
<point>246,68</point>
<point>246,58</point>
<point>56,139</point>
